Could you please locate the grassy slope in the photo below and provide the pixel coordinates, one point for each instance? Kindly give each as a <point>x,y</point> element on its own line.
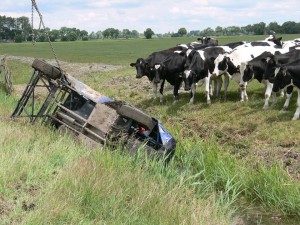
<point>228,146</point>
<point>47,178</point>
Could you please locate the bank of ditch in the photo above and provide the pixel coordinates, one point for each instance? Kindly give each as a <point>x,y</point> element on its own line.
<point>220,157</point>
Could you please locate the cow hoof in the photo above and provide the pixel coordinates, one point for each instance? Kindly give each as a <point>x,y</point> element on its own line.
<point>209,102</point>
<point>265,107</point>
<point>284,109</point>
<point>295,118</point>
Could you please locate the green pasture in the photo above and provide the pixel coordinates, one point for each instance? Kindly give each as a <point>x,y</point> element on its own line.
<point>115,52</point>
<point>233,160</point>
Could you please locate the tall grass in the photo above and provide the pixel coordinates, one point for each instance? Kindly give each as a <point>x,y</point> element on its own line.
<point>109,189</point>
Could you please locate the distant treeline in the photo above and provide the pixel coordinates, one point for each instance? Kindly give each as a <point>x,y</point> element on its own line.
<point>19,30</point>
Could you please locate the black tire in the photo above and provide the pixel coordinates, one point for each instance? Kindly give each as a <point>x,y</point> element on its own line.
<point>136,115</point>
<point>46,69</point>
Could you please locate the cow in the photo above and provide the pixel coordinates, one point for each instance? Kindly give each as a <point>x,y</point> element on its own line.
<point>171,70</point>
<point>212,52</point>
<point>237,60</point>
<point>207,40</point>
<point>144,67</point>
<point>198,70</point>
<point>255,69</point>
<point>288,75</point>
<point>271,63</point>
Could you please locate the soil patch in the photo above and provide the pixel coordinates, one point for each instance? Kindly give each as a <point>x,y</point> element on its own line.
<point>74,69</point>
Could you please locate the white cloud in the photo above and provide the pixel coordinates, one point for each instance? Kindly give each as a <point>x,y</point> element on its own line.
<point>161,16</point>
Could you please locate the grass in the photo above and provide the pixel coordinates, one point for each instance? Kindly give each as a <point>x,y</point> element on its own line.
<point>114,52</point>
<point>47,178</point>
<point>227,152</point>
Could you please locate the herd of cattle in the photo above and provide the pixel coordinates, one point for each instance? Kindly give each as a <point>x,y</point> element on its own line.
<point>273,62</point>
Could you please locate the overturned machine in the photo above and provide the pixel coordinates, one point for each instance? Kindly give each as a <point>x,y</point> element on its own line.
<point>70,104</point>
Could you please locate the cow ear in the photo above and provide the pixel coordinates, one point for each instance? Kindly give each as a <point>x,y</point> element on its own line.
<point>132,64</point>
<point>182,53</point>
<point>263,60</point>
<point>284,71</point>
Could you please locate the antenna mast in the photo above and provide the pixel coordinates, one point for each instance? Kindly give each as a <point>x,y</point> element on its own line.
<point>34,6</point>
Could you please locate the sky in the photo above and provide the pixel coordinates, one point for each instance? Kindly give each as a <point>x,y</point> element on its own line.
<point>161,16</point>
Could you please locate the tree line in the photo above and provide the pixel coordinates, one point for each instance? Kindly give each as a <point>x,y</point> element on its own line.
<point>20,29</point>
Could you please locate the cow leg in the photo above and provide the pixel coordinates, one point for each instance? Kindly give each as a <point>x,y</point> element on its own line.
<point>207,83</point>
<point>243,84</point>
<point>268,92</point>
<point>154,89</point>
<point>211,92</point>
<point>226,84</point>
<point>297,113</point>
<point>274,95</point>
<point>176,89</point>
<point>282,93</point>
<point>289,92</point>
<point>244,95</point>
<point>218,87</point>
<point>193,92</point>
<point>161,90</point>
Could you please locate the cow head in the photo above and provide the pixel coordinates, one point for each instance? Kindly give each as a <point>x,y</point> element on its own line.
<point>188,79</point>
<point>248,73</point>
<point>270,65</point>
<point>208,40</point>
<point>276,41</point>
<point>281,78</point>
<point>189,57</point>
<point>221,65</point>
<point>158,73</point>
<point>142,68</point>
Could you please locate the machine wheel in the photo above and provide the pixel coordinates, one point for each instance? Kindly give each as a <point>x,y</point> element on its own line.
<point>136,115</point>
<point>46,69</point>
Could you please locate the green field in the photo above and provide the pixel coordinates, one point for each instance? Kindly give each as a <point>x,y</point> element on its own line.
<point>116,52</point>
<point>233,160</point>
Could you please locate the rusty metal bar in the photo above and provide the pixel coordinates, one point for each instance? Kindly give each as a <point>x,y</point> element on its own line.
<point>72,113</point>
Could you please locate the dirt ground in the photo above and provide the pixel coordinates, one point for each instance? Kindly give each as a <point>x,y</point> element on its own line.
<point>75,69</point>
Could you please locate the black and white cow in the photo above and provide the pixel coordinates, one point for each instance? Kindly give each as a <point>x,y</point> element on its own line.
<point>288,75</point>
<point>238,59</point>
<point>212,52</point>
<point>171,70</point>
<point>271,63</point>
<point>198,70</point>
<point>144,67</point>
<point>256,69</point>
